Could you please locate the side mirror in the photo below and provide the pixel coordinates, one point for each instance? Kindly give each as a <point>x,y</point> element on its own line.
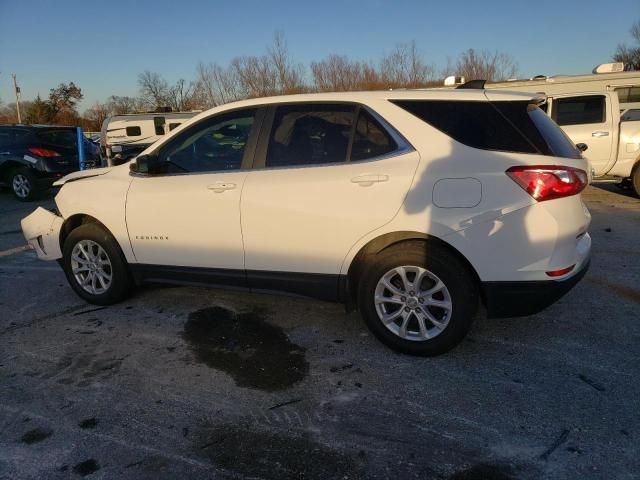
<point>582,146</point>
<point>143,164</point>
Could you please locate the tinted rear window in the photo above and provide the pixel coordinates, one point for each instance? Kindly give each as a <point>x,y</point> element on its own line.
<point>57,136</point>
<point>558,141</point>
<point>10,136</point>
<point>503,126</point>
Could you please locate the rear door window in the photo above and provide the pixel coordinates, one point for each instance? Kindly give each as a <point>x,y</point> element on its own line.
<point>370,138</point>
<point>310,134</point>
<point>579,110</point>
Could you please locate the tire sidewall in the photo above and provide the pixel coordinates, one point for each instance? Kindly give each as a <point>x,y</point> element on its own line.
<point>635,179</point>
<point>120,277</point>
<point>444,265</point>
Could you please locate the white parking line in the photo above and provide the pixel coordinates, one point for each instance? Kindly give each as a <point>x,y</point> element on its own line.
<point>27,267</point>
<point>12,251</point>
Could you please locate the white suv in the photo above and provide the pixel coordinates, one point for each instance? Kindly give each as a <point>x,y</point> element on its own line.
<point>413,206</point>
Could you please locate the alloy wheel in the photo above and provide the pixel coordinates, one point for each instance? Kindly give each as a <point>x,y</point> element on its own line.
<point>413,303</point>
<point>21,185</point>
<point>91,267</point>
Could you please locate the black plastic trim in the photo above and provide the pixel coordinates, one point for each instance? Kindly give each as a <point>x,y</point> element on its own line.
<point>519,299</point>
<point>315,285</point>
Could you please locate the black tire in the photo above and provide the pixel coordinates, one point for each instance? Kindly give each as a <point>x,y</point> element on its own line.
<point>27,190</point>
<point>120,285</point>
<point>460,286</point>
<point>635,179</point>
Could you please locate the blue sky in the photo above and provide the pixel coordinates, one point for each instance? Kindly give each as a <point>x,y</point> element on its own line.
<point>103,45</point>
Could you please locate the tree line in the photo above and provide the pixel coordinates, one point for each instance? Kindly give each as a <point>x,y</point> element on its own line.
<point>275,72</point>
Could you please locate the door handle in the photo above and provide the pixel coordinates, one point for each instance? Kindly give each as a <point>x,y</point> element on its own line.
<point>600,134</point>
<point>220,187</point>
<point>368,180</point>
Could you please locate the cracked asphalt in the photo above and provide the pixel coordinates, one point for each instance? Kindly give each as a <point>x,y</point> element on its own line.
<point>183,382</point>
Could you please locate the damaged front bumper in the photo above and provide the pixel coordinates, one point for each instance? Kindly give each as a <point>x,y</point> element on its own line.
<point>41,229</point>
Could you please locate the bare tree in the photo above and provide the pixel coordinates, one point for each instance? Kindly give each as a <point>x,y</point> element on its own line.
<point>96,115</point>
<point>154,89</point>
<point>256,75</point>
<point>119,105</point>
<point>630,55</point>
<point>485,65</point>
<point>337,73</point>
<point>180,96</point>
<point>289,75</point>
<point>404,67</point>
<point>215,85</point>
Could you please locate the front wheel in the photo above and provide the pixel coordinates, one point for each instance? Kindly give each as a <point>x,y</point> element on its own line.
<point>418,298</point>
<point>95,266</point>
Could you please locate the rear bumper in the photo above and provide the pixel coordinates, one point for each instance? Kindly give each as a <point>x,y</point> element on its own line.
<point>519,299</point>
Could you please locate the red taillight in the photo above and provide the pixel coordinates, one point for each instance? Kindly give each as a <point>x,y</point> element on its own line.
<point>559,273</point>
<point>546,182</point>
<point>44,152</point>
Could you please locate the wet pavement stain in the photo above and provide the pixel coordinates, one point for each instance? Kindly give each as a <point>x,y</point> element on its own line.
<point>36,435</point>
<point>88,423</point>
<point>484,471</point>
<point>273,455</point>
<point>628,293</point>
<point>253,352</point>
<point>86,468</point>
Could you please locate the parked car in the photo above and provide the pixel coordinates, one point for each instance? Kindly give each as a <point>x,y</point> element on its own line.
<point>32,157</point>
<point>122,137</point>
<point>413,206</point>
<point>599,110</point>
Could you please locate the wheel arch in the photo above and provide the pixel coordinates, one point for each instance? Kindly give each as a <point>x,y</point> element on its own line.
<point>392,239</point>
<point>9,166</point>
<point>74,221</point>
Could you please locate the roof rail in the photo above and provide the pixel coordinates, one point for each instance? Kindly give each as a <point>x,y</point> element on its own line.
<point>473,84</point>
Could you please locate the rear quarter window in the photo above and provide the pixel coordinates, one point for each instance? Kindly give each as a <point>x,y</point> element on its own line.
<point>476,124</point>
<point>509,126</point>
<point>11,136</point>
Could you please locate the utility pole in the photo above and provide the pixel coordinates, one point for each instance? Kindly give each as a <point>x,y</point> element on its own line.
<point>17,91</point>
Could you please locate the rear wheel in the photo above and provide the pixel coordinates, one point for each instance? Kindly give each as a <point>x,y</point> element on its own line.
<point>418,298</point>
<point>95,266</point>
<point>23,185</point>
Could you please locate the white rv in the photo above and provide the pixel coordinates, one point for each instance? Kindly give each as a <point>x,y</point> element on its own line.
<point>601,110</point>
<point>124,136</point>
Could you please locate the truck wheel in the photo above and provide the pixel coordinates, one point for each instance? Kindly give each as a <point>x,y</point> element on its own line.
<point>635,179</point>
<point>95,266</point>
<point>418,298</point>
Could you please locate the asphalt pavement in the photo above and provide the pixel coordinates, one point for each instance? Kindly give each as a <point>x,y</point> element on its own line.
<point>184,382</point>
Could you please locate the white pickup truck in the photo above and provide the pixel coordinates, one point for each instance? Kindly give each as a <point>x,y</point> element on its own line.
<point>601,110</point>
<point>611,133</point>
